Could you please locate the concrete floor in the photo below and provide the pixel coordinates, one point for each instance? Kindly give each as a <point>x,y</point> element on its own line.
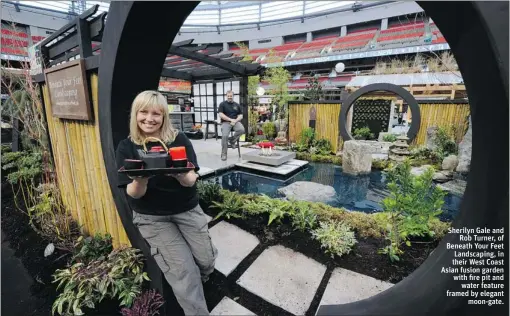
<point>209,155</point>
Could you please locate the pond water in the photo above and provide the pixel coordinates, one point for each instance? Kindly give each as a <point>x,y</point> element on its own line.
<point>357,193</point>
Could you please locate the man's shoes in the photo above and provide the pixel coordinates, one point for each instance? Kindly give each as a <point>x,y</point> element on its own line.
<point>232,142</point>
<point>223,157</point>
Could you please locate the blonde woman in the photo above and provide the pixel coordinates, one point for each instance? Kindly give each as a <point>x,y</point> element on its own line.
<point>165,208</point>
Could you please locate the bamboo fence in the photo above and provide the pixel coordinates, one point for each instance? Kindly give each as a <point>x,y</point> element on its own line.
<point>443,115</point>
<point>326,125</point>
<point>81,172</point>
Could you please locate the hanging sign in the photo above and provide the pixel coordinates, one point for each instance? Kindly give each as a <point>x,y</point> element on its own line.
<point>69,91</point>
<point>177,86</point>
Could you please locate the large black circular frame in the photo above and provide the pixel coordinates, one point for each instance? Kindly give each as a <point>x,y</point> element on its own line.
<point>399,91</point>
<point>477,33</point>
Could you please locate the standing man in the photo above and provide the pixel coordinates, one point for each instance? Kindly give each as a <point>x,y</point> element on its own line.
<point>231,115</point>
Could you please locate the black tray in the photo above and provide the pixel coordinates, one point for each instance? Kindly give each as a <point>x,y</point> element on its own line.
<point>158,171</point>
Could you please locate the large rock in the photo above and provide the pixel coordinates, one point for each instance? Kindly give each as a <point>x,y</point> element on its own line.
<point>418,171</point>
<point>357,157</point>
<point>442,176</point>
<point>377,147</point>
<point>456,187</point>
<point>431,134</point>
<point>450,163</point>
<point>465,148</point>
<point>309,191</point>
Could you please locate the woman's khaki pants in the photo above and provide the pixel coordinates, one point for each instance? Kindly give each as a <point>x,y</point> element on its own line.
<point>182,247</point>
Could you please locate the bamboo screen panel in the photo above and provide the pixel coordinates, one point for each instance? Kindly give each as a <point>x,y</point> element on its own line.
<point>326,125</point>
<point>81,171</point>
<point>443,115</point>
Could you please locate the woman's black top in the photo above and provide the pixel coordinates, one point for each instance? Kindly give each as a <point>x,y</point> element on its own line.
<point>165,195</point>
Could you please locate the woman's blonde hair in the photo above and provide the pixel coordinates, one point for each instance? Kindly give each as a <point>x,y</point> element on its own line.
<point>151,100</point>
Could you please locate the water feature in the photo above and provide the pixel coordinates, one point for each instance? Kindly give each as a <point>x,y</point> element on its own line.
<point>357,193</point>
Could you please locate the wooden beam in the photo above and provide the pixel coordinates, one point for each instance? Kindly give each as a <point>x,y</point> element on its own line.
<point>91,11</point>
<point>225,65</point>
<point>183,43</point>
<point>71,40</point>
<point>196,48</point>
<point>169,73</point>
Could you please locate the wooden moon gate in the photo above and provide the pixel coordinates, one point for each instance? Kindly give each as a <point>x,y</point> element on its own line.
<point>408,97</point>
<point>474,31</point>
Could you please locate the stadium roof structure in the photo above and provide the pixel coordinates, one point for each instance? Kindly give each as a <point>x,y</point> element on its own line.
<point>432,78</point>
<point>217,14</point>
<point>185,61</point>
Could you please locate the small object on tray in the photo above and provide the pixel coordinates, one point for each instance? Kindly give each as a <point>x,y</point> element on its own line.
<point>130,164</point>
<point>156,158</point>
<point>179,157</point>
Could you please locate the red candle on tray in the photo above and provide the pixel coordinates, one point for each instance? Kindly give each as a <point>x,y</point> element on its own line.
<point>179,157</point>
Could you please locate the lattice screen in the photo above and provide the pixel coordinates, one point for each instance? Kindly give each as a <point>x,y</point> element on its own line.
<point>372,113</point>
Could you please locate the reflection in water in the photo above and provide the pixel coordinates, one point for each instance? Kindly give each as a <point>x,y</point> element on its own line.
<point>359,193</point>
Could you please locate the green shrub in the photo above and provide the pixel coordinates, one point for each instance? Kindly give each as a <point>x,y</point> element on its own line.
<point>118,276</point>
<point>322,146</point>
<point>390,138</point>
<point>380,164</point>
<point>337,160</point>
<point>22,166</point>
<point>6,148</point>
<point>413,202</point>
<point>445,142</point>
<point>335,237</point>
<point>363,133</point>
<point>92,248</point>
<point>231,205</point>
<point>306,137</point>
<point>303,217</point>
<point>208,191</point>
<point>269,130</point>
<point>276,208</point>
<point>424,156</point>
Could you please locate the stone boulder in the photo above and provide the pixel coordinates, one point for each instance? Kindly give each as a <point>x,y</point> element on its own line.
<point>377,147</point>
<point>356,158</point>
<point>431,134</point>
<point>309,191</point>
<point>465,148</point>
<point>418,171</point>
<point>450,163</point>
<point>455,187</point>
<point>442,176</point>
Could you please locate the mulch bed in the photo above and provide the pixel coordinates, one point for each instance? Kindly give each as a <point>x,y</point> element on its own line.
<point>29,248</point>
<point>364,258</point>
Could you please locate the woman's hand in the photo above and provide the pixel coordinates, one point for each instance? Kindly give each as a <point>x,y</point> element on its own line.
<point>138,187</point>
<point>186,179</point>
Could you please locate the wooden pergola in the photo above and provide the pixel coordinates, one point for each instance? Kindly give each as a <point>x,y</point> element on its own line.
<point>200,62</point>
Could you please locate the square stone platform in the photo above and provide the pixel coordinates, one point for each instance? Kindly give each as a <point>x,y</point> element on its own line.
<point>282,170</point>
<point>276,159</point>
<point>284,278</point>
<point>233,245</point>
<point>347,286</point>
<point>228,307</point>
